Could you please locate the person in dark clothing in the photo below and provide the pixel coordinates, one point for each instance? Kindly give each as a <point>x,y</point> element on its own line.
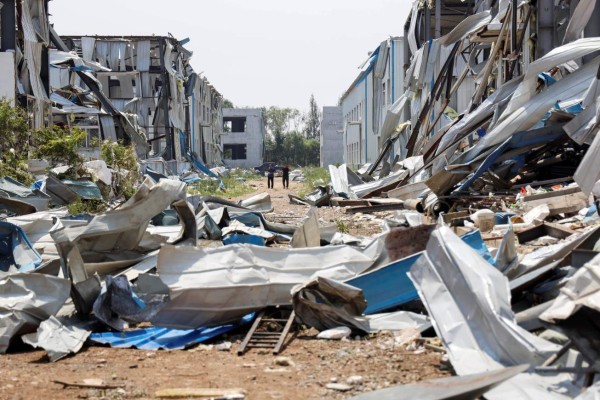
<point>270,176</point>
<point>286,176</point>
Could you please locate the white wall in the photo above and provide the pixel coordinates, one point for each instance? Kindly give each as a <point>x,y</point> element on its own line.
<point>253,137</point>
<point>332,136</point>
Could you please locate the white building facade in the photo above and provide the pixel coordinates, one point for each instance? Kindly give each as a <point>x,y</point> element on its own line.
<point>332,136</point>
<point>243,137</point>
<point>365,103</point>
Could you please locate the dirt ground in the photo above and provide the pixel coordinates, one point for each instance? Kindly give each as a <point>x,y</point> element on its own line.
<point>379,361</point>
<point>284,212</point>
<point>315,363</point>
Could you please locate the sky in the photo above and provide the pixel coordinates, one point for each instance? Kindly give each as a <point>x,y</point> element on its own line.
<point>254,52</point>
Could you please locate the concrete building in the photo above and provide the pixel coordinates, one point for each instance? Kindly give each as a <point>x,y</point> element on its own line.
<point>367,100</point>
<point>243,137</point>
<point>332,136</point>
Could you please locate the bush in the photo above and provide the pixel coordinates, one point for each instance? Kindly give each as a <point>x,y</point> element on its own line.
<point>123,160</point>
<point>14,143</point>
<point>59,147</point>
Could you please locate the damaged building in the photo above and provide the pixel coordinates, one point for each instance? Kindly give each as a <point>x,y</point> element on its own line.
<point>150,79</point>
<point>243,137</point>
<point>24,46</point>
<point>468,240</point>
<point>365,103</point>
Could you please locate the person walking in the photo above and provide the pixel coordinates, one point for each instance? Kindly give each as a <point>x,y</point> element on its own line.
<point>286,176</point>
<point>270,177</point>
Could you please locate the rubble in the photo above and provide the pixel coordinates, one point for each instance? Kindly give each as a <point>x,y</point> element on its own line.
<point>481,206</point>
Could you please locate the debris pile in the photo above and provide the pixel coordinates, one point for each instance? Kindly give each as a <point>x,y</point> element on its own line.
<point>488,227</point>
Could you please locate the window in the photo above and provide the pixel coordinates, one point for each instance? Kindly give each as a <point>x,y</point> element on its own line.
<point>234,151</point>
<point>234,124</point>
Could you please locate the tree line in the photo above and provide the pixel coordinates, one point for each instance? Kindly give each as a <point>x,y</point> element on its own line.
<point>293,137</point>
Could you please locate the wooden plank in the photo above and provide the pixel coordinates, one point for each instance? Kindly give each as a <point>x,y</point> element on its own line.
<point>285,332</point>
<point>250,333</point>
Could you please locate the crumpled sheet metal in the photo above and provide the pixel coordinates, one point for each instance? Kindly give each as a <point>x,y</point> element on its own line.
<point>238,227</point>
<point>555,57</point>
<point>16,251</point>
<point>58,340</point>
<point>308,235</point>
<point>469,303</point>
<point>572,86</point>
<point>37,227</point>
<point>260,203</point>
<point>465,387</point>
<point>117,304</point>
<point>122,230</point>
<point>581,290</point>
<point>12,189</point>
<point>325,304</point>
<point>465,27</point>
<point>342,178</point>
<point>211,287</point>
<point>26,300</point>
<point>588,172</point>
<point>155,338</point>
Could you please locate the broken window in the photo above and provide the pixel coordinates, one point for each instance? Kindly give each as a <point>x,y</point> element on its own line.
<point>234,151</point>
<point>234,124</point>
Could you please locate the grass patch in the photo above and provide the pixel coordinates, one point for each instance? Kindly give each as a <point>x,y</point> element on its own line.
<point>235,186</point>
<point>315,176</point>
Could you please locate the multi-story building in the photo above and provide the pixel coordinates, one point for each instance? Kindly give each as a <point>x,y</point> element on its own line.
<point>243,137</point>
<point>332,136</point>
<point>367,100</point>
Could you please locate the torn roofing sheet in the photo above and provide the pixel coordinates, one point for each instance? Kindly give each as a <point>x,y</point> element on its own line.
<point>389,286</point>
<point>14,190</point>
<point>465,27</point>
<point>26,300</point>
<point>469,303</point>
<point>215,286</point>
<point>475,118</point>
<point>556,57</point>
<point>308,235</point>
<point>326,304</point>
<point>579,19</point>
<point>581,290</point>
<point>122,229</point>
<point>238,227</point>
<point>164,338</point>
<point>450,388</point>
<point>37,227</point>
<point>58,340</point>
<point>16,250</point>
<point>571,87</point>
<point>588,171</point>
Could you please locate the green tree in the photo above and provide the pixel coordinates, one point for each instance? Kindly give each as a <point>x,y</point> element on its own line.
<point>14,143</point>
<point>278,122</point>
<point>313,120</point>
<point>293,148</point>
<point>227,103</point>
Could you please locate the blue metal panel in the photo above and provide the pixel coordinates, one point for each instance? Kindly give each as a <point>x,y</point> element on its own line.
<point>244,239</point>
<point>164,338</point>
<point>389,286</point>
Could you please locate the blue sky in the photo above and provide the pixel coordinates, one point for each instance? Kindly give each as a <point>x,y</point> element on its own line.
<point>255,52</point>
